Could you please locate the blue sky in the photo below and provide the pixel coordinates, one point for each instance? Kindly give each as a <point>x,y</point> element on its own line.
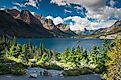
<point>79,14</point>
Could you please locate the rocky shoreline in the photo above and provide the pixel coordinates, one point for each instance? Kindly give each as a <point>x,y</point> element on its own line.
<point>36,71</point>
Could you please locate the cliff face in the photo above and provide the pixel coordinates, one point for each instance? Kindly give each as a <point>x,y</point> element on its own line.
<point>47,23</point>
<point>25,24</point>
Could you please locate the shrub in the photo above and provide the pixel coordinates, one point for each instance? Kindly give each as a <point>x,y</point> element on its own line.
<point>17,71</point>
<point>77,72</point>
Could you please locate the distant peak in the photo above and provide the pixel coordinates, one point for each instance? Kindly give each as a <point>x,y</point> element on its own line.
<point>25,12</point>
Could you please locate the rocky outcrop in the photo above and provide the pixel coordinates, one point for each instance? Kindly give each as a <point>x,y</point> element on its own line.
<point>36,71</point>
<point>47,23</point>
<point>33,76</point>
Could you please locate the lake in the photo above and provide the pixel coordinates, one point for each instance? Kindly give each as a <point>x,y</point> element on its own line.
<point>59,44</point>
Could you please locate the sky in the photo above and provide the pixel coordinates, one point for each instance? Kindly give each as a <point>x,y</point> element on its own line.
<point>79,14</point>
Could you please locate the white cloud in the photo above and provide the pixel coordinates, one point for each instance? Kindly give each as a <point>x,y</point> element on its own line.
<point>111,12</point>
<point>15,7</point>
<point>33,3</point>
<point>76,27</point>
<point>59,2</point>
<point>112,3</point>
<point>79,23</point>
<point>33,13</point>
<point>78,8</point>
<point>56,20</point>
<point>49,17</point>
<point>95,8</point>
<point>20,5</point>
<point>67,11</point>
<point>105,13</point>
<point>100,24</point>
<point>82,23</point>
<point>79,2</point>
<point>2,8</point>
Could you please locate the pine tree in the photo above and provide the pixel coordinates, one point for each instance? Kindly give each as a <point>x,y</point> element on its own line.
<point>114,61</point>
<point>94,55</point>
<point>2,47</point>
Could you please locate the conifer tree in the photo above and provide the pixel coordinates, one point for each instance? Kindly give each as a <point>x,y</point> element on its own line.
<point>114,61</point>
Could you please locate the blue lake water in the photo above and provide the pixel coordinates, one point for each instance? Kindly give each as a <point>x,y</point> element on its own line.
<point>59,44</point>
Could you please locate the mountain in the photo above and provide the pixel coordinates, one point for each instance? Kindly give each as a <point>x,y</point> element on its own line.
<point>85,32</point>
<point>55,30</point>
<point>110,32</point>
<point>113,31</point>
<point>24,24</point>
<point>18,26</point>
<point>66,29</point>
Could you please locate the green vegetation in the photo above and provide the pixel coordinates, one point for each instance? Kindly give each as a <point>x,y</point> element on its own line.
<point>14,58</point>
<point>77,72</point>
<point>114,61</point>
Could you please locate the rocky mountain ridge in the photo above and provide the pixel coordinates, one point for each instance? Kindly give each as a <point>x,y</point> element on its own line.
<point>25,24</point>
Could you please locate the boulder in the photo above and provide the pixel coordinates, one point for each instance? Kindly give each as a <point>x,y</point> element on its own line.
<point>33,75</point>
<point>55,72</point>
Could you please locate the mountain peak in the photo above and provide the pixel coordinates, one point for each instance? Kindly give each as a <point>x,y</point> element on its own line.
<point>63,27</point>
<point>25,15</point>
